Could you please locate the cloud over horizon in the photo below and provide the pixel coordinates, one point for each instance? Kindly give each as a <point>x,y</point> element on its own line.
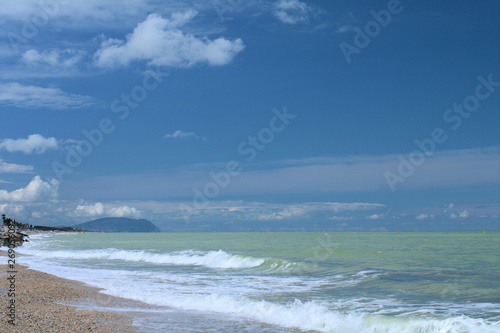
<point>159,101</point>
<point>98,209</point>
<point>264,211</point>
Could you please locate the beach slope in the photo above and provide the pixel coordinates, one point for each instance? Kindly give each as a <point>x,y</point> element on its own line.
<point>38,308</point>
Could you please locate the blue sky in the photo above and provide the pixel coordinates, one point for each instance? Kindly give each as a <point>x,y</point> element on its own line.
<point>252,115</point>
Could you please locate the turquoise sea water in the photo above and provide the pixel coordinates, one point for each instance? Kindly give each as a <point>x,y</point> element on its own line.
<point>289,282</point>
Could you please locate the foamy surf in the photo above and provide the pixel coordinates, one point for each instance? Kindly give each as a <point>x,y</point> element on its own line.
<point>212,259</point>
<point>328,295</point>
<point>173,291</point>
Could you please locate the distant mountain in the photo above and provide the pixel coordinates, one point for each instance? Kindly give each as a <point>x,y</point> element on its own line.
<point>118,224</point>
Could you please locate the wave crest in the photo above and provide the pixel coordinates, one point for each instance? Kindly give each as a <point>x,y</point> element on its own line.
<point>212,259</point>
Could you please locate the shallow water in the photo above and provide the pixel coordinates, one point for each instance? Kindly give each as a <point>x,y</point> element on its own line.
<point>289,282</point>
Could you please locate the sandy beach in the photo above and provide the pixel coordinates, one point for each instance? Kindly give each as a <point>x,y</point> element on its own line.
<point>40,300</point>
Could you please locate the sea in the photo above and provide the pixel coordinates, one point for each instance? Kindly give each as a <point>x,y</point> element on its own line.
<point>286,282</point>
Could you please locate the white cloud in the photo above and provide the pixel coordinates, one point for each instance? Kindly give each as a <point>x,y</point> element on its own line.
<point>36,215</point>
<point>274,211</point>
<point>14,168</point>
<point>11,209</point>
<point>160,42</point>
<point>422,216</point>
<point>292,11</point>
<point>183,135</point>
<point>358,173</point>
<point>89,14</point>
<point>90,210</point>
<point>124,211</point>
<point>281,214</point>
<point>341,218</point>
<point>374,217</point>
<point>306,176</point>
<point>98,209</point>
<point>344,29</point>
<point>15,94</point>
<point>448,208</point>
<point>464,214</point>
<point>55,57</point>
<point>36,191</point>
<point>34,143</point>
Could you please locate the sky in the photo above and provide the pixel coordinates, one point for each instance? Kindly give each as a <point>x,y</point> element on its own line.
<point>243,115</point>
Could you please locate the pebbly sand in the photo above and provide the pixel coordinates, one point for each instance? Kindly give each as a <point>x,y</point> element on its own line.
<point>40,300</point>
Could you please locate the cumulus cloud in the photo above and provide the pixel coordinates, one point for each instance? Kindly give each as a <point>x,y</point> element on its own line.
<point>160,42</point>
<point>374,217</point>
<point>425,216</point>
<point>23,96</point>
<point>55,57</point>
<point>11,209</point>
<point>36,191</point>
<point>183,135</point>
<point>90,210</point>
<point>98,209</point>
<point>34,143</point>
<point>462,215</point>
<point>124,211</point>
<point>292,11</point>
<point>14,168</point>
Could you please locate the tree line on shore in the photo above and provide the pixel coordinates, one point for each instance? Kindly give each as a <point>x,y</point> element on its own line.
<point>25,226</point>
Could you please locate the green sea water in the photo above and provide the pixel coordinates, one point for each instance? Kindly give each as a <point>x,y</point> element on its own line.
<point>324,282</point>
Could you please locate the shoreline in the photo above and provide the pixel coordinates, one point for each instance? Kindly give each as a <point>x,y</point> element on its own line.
<point>45,302</point>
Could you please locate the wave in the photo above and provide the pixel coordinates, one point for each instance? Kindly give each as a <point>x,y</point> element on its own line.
<point>211,259</point>
<point>312,315</point>
<point>317,316</point>
<point>249,292</point>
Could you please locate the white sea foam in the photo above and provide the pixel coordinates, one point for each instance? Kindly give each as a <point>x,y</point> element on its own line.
<point>257,289</point>
<point>212,259</point>
<point>181,292</point>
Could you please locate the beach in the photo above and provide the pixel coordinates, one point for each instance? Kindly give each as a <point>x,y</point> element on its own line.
<point>40,300</point>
